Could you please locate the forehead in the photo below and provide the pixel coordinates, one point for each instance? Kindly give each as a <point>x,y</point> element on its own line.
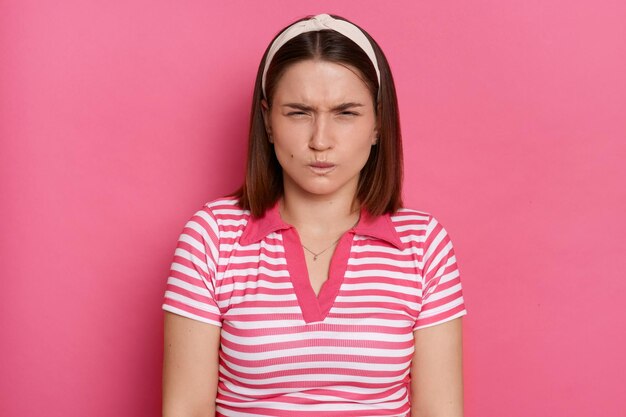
<point>323,81</point>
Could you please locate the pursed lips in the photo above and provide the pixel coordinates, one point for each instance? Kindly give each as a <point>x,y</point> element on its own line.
<point>318,164</point>
<point>321,168</point>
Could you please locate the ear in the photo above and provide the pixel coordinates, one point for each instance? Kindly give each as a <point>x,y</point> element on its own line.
<point>375,136</point>
<point>265,109</point>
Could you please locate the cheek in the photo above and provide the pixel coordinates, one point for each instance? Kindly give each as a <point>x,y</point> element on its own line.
<point>291,142</point>
<point>284,154</point>
<point>364,156</point>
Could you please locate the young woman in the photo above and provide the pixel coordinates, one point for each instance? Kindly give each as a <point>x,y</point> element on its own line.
<point>312,291</point>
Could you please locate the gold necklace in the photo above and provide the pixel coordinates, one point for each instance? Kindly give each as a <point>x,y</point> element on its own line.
<point>315,255</point>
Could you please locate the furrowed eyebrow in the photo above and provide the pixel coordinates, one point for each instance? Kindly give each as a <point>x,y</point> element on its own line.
<point>298,106</point>
<point>346,106</point>
<point>341,107</point>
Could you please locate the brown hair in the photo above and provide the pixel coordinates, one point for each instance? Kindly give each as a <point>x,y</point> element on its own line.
<point>380,183</point>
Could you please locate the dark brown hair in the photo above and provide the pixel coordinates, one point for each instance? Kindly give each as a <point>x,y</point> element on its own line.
<point>380,183</point>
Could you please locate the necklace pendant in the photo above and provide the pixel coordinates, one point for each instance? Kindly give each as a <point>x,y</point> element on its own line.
<point>315,258</point>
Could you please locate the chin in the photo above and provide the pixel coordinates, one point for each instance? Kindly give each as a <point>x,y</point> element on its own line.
<point>322,186</point>
<point>319,190</point>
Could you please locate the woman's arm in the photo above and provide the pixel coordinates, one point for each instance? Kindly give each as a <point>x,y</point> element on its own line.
<point>190,367</point>
<point>437,371</point>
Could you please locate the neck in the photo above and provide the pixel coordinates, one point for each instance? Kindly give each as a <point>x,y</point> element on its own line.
<point>319,216</point>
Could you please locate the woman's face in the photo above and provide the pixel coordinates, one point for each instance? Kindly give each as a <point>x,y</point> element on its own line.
<point>323,125</point>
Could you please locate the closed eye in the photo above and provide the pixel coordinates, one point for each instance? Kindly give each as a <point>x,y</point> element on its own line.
<point>296,113</point>
<point>349,113</point>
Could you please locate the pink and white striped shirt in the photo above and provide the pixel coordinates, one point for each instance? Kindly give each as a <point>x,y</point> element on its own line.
<point>284,350</point>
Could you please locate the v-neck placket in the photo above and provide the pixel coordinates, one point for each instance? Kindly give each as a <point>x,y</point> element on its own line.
<point>315,308</point>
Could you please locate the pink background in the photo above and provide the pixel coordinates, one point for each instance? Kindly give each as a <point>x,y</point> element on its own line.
<point>120,119</point>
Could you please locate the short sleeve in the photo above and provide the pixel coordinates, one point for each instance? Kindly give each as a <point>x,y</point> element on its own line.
<point>190,290</point>
<point>442,294</point>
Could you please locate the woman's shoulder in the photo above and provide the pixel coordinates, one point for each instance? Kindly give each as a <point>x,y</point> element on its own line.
<point>220,214</point>
<point>408,216</point>
<point>415,225</point>
<point>225,207</point>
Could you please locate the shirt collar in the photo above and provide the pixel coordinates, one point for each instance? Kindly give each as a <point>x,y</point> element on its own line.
<point>379,227</point>
<point>259,227</point>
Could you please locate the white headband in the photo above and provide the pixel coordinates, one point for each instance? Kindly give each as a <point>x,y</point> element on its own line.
<point>315,24</point>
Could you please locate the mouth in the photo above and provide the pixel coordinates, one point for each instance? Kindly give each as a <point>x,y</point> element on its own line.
<point>321,167</point>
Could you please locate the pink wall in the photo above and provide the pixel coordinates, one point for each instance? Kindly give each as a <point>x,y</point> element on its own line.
<point>119,119</point>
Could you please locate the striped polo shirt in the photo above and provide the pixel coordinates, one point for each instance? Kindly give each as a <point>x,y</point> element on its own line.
<point>287,352</point>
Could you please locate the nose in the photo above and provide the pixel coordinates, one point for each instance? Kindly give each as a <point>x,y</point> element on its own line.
<point>321,136</point>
